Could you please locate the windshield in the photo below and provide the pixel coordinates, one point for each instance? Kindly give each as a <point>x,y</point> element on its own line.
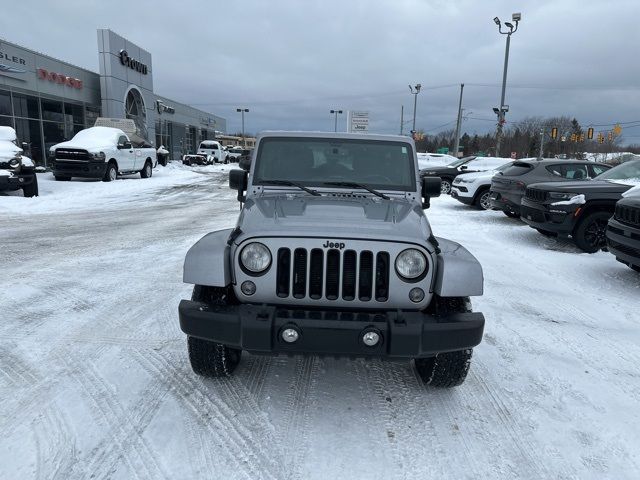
<point>385,165</point>
<point>502,168</point>
<point>625,171</point>
<point>208,146</point>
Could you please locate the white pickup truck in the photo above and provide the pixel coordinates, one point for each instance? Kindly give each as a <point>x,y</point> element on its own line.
<point>102,152</point>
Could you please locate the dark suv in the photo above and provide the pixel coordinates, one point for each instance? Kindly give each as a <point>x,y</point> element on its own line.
<point>508,187</point>
<point>623,231</point>
<point>580,209</point>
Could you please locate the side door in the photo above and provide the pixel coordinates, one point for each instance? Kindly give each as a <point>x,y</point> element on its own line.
<point>126,155</point>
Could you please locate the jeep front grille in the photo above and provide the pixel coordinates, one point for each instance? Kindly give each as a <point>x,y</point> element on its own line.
<point>628,215</point>
<point>72,154</point>
<point>536,195</point>
<point>318,274</point>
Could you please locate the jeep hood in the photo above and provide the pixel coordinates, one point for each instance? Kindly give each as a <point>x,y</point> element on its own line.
<point>485,175</point>
<point>333,217</point>
<point>583,186</point>
<point>8,150</point>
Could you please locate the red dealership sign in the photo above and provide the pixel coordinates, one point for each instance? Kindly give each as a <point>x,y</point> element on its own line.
<point>59,78</point>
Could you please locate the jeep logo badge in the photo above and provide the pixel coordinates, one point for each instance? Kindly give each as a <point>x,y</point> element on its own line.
<point>329,244</point>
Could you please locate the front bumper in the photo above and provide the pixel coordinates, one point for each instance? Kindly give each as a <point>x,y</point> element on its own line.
<point>557,219</point>
<point>461,195</point>
<point>624,242</point>
<point>15,181</point>
<point>508,202</point>
<point>404,334</point>
<point>84,169</point>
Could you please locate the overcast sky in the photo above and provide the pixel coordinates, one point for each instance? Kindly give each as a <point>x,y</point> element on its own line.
<point>292,61</point>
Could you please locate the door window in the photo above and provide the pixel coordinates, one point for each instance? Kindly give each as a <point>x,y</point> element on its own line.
<point>598,169</point>
<point>569,171</point>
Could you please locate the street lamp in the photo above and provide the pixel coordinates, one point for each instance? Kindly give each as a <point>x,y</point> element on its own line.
<point>502,109</point>
<point>414,91</point>
<point>242,111</point>
<point>335,123</point>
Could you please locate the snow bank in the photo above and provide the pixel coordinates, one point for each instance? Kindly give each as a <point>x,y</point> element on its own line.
<point>577,200</point>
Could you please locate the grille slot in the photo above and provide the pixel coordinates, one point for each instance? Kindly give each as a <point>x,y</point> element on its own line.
<point>536,195</point>
<point>332,274</point>
<point>628,215</point>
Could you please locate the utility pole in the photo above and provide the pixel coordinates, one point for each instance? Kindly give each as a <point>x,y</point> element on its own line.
<point>456,146</point>
<point>401,118</point>
<point>541,144</point>
<point>502,109</point>
<point>335,123</point>
<point>243,111</point>
<point>414,91</point>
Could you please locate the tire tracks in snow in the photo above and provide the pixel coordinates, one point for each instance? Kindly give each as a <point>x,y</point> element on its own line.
<point>52,435</point>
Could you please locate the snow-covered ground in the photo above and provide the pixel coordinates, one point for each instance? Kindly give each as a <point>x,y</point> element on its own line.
<point>95,381</point>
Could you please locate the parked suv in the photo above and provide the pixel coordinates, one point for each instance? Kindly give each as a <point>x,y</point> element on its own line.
<point>508,187</point>
<point>475,188</point>
<point>17,172</point>
<point>332,255</point>
<point>463,165</point>
<point>579,209</point>
<point>623,231</point>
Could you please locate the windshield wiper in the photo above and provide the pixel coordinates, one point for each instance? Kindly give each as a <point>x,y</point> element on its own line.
<point>357,185</point>
<point>289,183</point>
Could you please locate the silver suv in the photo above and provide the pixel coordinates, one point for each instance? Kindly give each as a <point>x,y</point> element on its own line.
<point>332,255</point>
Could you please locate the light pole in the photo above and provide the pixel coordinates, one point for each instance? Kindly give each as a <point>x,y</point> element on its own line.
<point>335,122</point>
<point>502,109</point>
<point>456,145</point>
<point>414,91</point>
<point>242,111</point>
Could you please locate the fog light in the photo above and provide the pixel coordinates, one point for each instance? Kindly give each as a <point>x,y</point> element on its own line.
<point>248,288</point>
<point>371,339</point>
<point>416,295</point>
<point>290,335</point>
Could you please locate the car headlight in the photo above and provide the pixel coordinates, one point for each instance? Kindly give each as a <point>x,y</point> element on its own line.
<point>255,257</point>
<point>466,180</point>
<point>411,263</point>
<point>561,195</point>
<point>98,156</point>
<point>15,161</point>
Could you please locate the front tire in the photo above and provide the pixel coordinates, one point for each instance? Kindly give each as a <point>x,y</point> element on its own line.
<point>207,358</point>
<point>31,190</point>
<point>445,186</point>
<point>111,173</point>
<point>448,369</point>
<point>590,234</point>
<point>483,200</point>
<point>147,170</point>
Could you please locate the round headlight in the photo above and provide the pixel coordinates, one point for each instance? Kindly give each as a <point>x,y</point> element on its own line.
<point>255,257</point>
<point>411,263</point>
<point>15,161</point>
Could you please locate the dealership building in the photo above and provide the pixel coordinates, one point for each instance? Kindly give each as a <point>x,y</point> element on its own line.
<point>48,100</point>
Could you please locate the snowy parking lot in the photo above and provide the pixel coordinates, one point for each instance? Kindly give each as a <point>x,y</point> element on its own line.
<point>95,380</point>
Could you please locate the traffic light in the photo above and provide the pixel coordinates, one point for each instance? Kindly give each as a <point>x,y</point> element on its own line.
<point>573,137</point>
<point>600,138</point>
<point>554,133</point>
<point>590,133</point>
<point>610,136</point>
<point>582,137</point>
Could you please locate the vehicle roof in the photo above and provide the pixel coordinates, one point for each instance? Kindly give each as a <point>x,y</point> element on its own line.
<point>7,133</point>
<point>336,135</point>
<point>209,141</point>
<point>555,161</point>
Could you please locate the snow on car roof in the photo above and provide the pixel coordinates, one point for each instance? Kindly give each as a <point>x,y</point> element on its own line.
<point>96,134</point>
<point>7,133</point>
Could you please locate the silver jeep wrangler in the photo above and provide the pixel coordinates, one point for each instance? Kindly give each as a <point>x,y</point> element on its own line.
<point>332,255</point>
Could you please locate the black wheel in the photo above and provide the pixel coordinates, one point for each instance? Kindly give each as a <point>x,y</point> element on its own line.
<point>211,359</point>
<point>445,187</point>
<point>61,178</point>
<point>483,200</point>
<point>31,190</point>
<point>590,234</point>
<point>147,170</point>
<point>546,233</point>
<point>111,173</point>
<point>447,369</point>
<point>511,214</point>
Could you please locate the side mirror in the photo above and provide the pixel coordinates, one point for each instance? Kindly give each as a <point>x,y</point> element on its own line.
<point>245,163</point>
<point>431,187</point>
<point>464,167</point>
<point>239,180</point>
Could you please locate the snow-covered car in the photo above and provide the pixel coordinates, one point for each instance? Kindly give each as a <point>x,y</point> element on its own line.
<point>17,172</point>
<point>463,165</point>
<point>332,254</point>
<point>102,152</point>
<point>197,159</point>
<point>235,153</point>
<point>426,159</point>
<point>475,188</point>
<point>214,151</point>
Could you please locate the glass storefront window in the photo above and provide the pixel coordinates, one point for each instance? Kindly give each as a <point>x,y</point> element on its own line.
<point>5,103</point>
<point>25,106</point>
<point>53,133</point>
<point>92,113</point>
<point>6,121</point>
<point>52,110</point>
<point>29,131</point>
<point>74,112</point>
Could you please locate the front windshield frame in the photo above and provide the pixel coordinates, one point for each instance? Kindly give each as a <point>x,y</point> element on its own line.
<point>459,162</point>
<point>614,173</point>
<point>409,173</point>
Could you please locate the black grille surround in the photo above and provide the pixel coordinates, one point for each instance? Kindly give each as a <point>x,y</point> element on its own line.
<point>72,154</point>
<point>627,215</point>
<point>536,195</point>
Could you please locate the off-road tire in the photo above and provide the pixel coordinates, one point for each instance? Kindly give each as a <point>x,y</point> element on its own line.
<point>511,214</point>
<point>31,190</point>
<point>147,170</point>
<point>211,359</point>
<point>590,234</point>
<point>448,369</point>
<point>60,178</point>
<point>445,186</point>
<point>483,199</point>
<point>108,175</point>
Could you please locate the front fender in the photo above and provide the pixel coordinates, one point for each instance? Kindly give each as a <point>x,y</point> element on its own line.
<point>207,262</point>
<point>459,274</point>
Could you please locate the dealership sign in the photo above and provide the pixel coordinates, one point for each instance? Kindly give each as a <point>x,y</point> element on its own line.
<point>59,78</point>
<point>358,121</point>
<point>11,65</point>
<point>127,61</point>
